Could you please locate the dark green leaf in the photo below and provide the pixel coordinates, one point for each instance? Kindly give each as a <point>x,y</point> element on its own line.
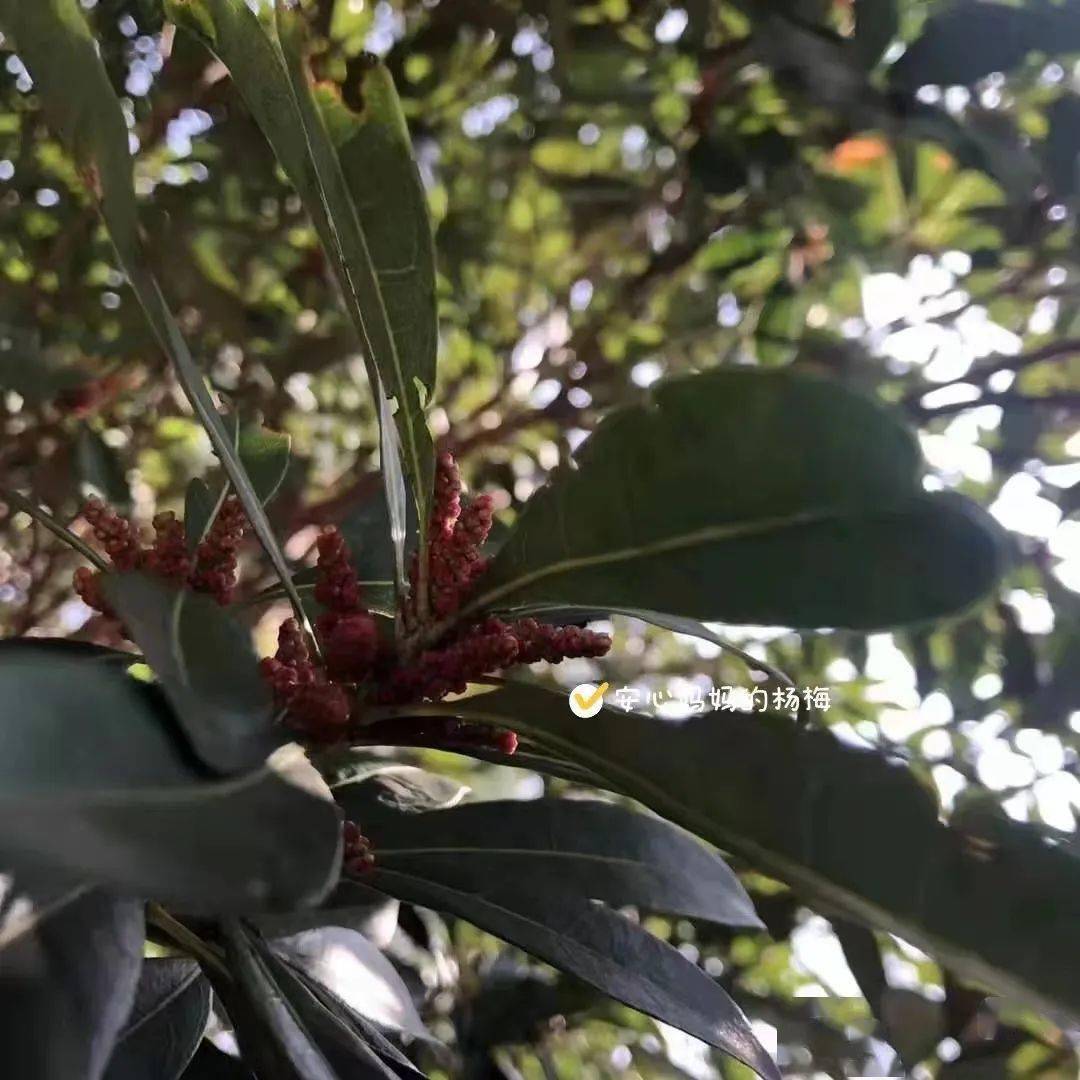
<point>166,1024</point>
<point>969,39</point>
<point>601,947</point>
<point>565,846</point>
<point>264,455</point>
<point>204,660</point>
<point>272,1038</point>
<point>96,778</point>
<point>748,497</point>
<point>201,506</point>
<point>66,985</point>
<point>864,958</point>
<point>356,1047</point>
<point>877,23</point>
<point>354,969</point>
<point>844,827</point>
<point>209,1063</point>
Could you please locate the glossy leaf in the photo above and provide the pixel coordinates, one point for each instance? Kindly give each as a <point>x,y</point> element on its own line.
<point>566,846</point>
<point>166,1023</point>
<point>204,659</point>
<point>97,779</point>
<point>66,986</point>
<point>765,497</point>
<point>602,948</point>
<point>846,828</point>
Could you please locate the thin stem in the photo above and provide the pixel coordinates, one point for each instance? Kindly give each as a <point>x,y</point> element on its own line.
<point>187,939</point>
<point>43,517</point>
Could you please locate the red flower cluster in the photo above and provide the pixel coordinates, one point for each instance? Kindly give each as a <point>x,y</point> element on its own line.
<point>354,655</point>
<point>455,537</point>
<point>323,701</point>
<point>212,571</point>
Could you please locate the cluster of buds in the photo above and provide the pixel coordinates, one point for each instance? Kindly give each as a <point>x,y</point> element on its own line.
<point>456,535</point>
<point>314,707</point>
<point>213,570</point>
<point>323,699</point>
<point>374,672</point>
<point>215,557</point>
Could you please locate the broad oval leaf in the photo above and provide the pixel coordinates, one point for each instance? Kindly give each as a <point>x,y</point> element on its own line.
<point>204,659</point>
<point>567,846</point>
<point>604,949</point>
<point>846,828</point>
<point>166,1023</point>
<point>66,987</point>
<point>96,779</point>
<point>744,496</point>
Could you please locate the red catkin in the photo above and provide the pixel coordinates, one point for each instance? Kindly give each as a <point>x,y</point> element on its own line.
<point>215,557</point>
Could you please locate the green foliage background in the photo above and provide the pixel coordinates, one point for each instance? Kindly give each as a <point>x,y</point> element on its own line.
<point>883,192</point>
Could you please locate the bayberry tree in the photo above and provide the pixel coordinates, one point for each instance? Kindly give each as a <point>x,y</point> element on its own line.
<point>190,829</point>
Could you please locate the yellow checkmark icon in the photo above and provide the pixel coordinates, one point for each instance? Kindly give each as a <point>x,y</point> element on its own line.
<point>587,701</point>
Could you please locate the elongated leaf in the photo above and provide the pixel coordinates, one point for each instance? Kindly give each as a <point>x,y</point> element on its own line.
<point>201,505</point>
<point>273,1039</point>
<point>846,828</point>
<point>354,1047</point>
<point>376,208</point>
<point>61,532</point>
<point>602,948</point>
<point>166,1024</point>
<point>354,174</point>
<point>66,987</point>
<point>345,962</point>
<point>61,55</point>
<point>97,779</point>
<point>207,666</point>
<point>566,846</point>
<point>750,497</point>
